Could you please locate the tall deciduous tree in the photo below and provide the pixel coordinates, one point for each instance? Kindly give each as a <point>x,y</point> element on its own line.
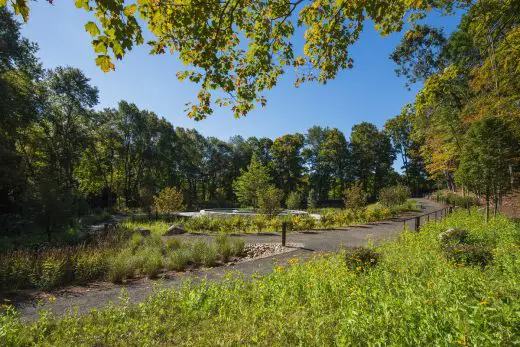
<point>490,148</point>
<point>372,158</point>
<point>287,164</point>
<point>400,129</point>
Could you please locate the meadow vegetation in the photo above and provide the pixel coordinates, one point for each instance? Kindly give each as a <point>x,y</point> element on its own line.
<point>405,292</point>
<point>117,257</point>
<point>330,218</point>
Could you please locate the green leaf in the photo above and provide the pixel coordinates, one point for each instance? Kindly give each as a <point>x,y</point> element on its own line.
<point>99,46</point>
<point>82,4</point>
<point>92,29</point>
<point>105,63</point>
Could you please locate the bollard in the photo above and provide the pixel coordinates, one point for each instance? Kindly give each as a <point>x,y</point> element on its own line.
<point>284,233</point>
<point>404,224</point>
<point>417,223</point>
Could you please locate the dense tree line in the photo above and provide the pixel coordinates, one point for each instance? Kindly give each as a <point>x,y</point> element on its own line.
<point>61,157</point>
<point>465,122</point>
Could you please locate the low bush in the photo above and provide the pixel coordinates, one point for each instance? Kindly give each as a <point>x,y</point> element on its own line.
<point>224,247</point>
<point>122,266</point>
<point>151,262</point>
<point>90,265</point>
<point>453,236</point>
<point>360,259</point>
<point>473,255</point>
<point>394,196</point>
<point>294,201</point>
<point>178,260</point>
<point>355,197</point>
<point>454,199</point>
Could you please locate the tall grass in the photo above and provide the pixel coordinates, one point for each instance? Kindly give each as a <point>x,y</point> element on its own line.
<point>116,258</point>
<point>413,296</point>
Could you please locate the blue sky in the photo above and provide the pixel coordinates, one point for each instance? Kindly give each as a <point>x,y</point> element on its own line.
<point>369,92</point>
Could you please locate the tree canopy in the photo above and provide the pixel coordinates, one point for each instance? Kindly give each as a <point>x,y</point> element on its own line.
<point>241,48</point>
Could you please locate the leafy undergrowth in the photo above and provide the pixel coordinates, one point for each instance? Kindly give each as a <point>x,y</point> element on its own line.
<point>413,295</point>
<point>330,218</point>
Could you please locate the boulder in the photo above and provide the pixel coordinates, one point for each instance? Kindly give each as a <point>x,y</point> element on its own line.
<point>175,230</point>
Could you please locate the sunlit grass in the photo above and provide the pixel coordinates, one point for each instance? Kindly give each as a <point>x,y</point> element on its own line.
<point>413,296</point>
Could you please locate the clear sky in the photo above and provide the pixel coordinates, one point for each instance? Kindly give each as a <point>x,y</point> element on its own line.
<point>369,92</point>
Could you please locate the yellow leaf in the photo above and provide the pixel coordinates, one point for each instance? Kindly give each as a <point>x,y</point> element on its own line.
<point>105,63</point>
<point>130,10</point>
<point>92,28</point>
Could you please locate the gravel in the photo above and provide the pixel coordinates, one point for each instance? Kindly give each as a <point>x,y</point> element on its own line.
<point>254,251</point>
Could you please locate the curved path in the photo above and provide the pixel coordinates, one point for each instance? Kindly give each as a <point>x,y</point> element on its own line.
<point>98,295</point>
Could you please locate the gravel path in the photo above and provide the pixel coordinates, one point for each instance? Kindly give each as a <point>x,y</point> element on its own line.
<point>313,242</point>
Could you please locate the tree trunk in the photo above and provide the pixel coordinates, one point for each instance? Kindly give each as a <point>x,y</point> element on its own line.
<point>48,228</point>
<point>487,208</point>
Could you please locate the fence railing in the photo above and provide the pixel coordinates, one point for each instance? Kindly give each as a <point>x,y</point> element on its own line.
<point>437,215</point>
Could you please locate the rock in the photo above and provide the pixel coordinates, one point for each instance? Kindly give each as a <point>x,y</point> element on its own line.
<point>175,230</point>
<point>454,236</point>
<point>144,232</point>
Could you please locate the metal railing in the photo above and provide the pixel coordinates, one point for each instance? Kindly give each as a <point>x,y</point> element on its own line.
<point>437,215</point>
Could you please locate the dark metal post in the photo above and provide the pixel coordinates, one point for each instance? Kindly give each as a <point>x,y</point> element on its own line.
<point>284,233</point>
<point>404,224</point>
<point>417,223</point>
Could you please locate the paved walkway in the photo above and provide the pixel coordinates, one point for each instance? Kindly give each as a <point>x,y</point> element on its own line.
<point>99,295</point>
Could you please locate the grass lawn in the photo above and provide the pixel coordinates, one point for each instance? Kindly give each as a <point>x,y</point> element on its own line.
<point>423,290</point>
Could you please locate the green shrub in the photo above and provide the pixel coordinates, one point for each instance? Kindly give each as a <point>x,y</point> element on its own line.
<point>136,241</point>
<point>53,271</point>
<point>259,222</point>
<point>394,196</point>
<point>473,255</point>
<point>178,260</point>
<point>303,222</point>
<point>454,236</point>
<point>204,254</point>
<point>355,197</point>
<point>173,244</point>
<point>270,201</point>
<point>90,265</point>
<point>294,201</point>
<point>237,247</point>
<point>153,263</point>
<point>326,221</point>
<point>17,270</point>
<point>224,247</point>
<point>312,201</point>
<point>361,259</point>
<point>122,266</point>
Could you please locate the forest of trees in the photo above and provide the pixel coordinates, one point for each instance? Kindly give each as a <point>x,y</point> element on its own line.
<point>465,122</point>
<point>60,157</point>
